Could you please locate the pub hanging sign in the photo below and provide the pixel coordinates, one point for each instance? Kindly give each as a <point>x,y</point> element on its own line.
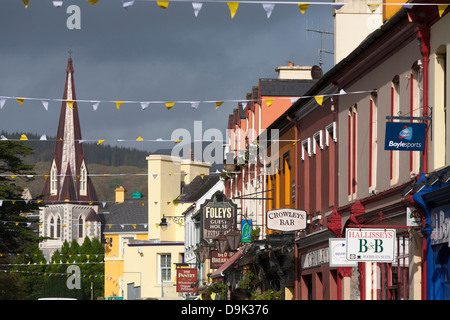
<point>218,216</point>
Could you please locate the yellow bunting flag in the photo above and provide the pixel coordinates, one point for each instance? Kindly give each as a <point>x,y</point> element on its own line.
<point>13,177</point>
<point>218,104</point>
<point>169,105</point>
<point>46,176</point>
<point>139,139</point>
<point>233,6</point>
<point>92,2</point>
<point>162,4</point>
<point>39,201</point>
<point>373,6</point>
<point>118,104</point>
<point>13,201</point>
<point>20,101</point>
<point>294,142</point>
<point>303,7</point>
<point>319,100</point>
<point>143,203</point>
<point>202,175</point>
<point>100,142</point>
<point>177,141</point>
<point>442,8</point>
<point>70,104</point>
<point>269,102</point>
<point>23,137</point>
<point>25,2</point>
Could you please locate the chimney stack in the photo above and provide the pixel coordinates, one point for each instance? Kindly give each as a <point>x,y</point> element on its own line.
<point>120,194</point>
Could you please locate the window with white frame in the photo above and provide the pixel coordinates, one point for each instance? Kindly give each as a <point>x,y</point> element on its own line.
<point>318,141</point>
<point>306,148</point>
<point>331,133</point>
<point>165,261</point>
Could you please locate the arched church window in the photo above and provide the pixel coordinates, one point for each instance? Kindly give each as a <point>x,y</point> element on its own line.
<point>52,227</point>
<point>58,227</point>
<point>53,179</point>
<point>80,227</point>
<point>83,180</point>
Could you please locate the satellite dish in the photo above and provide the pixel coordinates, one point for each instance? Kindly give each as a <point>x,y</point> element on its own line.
<point>316,72</point>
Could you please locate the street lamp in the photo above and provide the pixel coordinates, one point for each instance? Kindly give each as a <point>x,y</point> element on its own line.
<point>233,238</point>
<point>163,224</point>
<point>221,243</point>
<point>230,164</point>
<point>200,254</point>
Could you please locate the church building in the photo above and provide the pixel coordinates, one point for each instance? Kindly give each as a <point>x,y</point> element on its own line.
<point>71,210</point>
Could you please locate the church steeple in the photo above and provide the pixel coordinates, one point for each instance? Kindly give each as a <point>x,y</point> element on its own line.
<point>68,180</point>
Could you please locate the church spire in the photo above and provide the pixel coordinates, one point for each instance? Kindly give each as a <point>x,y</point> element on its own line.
<point>68,179</point>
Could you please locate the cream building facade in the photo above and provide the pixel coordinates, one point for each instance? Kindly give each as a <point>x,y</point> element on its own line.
<point>150,265</point>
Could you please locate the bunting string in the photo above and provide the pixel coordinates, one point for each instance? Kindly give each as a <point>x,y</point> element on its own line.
<point>168,104</point>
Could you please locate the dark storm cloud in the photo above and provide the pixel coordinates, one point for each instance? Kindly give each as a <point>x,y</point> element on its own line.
<point>145,53</point>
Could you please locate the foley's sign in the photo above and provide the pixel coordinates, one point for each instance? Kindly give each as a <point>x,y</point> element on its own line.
<point>218,216</point>
<point>286,219</point>
<point>405,136</point>
<point>366,245</point>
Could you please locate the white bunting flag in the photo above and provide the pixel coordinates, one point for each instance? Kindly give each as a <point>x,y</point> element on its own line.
<point>293,100</point>
<point>197,7</point>
<point>57,4</point>
<point>95,105</point>
<point>1,203</point>
<point>127,3</point>
<point>3,137</point>
<point>45,104</point>
<point>43,137</point>
<point>268,7</point>
<point>2,102</point>
<point>195,104</point>
<point>342,91</point>
<point>144,105</point>
<point>104,204</point>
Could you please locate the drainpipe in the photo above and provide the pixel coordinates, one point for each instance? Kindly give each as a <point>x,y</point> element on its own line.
<point>423,32</point>
<point>296,255</point>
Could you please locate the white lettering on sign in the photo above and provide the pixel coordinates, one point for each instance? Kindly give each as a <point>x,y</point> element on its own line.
<point>286,219</point>
<point>365,245</point>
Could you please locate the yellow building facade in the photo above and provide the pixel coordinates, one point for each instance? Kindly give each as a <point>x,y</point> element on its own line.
<point>149,266</point>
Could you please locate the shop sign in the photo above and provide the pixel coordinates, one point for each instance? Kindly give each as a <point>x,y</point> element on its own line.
<point>413,218</point>
<point>405,136</point>
<point>314,258</point>
<point>218,259</point>
<point>187,279</point>
<point>338,250</point>
<point>370,245</point>
<point>217,217</point>
<point>286,219</point>
<point>246,230</point>
<point>440,221</point>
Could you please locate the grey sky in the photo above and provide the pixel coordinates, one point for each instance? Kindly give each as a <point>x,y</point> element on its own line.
<point>146,53</point>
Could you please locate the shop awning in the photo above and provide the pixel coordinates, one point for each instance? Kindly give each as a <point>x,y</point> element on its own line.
<point>219,273</point>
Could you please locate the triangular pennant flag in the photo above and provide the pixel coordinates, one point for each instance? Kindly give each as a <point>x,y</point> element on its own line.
<point>13,177</point>
<point>319,100</point>
<point>293,100</point>
<point>95,105</point>
<point>3,138</point>
<point>134,226</point>
<point>45,104</point>
<point>92,2</point>
<point>118,104</point>
<point>337,6</point>
<point>139,139</point>
<point>46,176</point>
<point>25,2</point>
<point>154,176</point>
<point>373,6</point>
<point>202,175</point>
<point>70,104</point>
<point>23,137</point>
<point>20,101</point>
<point>195,104</point>
<point>197,7</point>
<point>57,4</point>
<point>442,8</point>
<point>268,7</point>
<point>177,141</point>
<point>100,142</point>
<point>269,102</point>
<point>1,203</point>
<point>218,104</point>
<point>2,102</point>
<point>294,142</point>
<point>143,203</point>
<point>144,105</point>
<point>127,3</point>
<point>408,5</point>
<point>169,105</point>
<point>104,203</point>
<point>233,6</point>
<point>342,91</point>
<point>163,4</point>
<point>303,7</point>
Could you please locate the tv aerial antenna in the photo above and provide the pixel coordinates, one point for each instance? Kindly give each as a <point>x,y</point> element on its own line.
<point>321,50</point>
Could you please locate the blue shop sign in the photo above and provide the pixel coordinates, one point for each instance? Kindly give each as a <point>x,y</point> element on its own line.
<point>246,229</point>
<point>405,136</point>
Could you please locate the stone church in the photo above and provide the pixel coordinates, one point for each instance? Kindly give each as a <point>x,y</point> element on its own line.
<point>71,210</point>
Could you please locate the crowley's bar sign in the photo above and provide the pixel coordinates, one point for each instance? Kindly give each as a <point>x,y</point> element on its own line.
<point>405,136</point>
<point>286,219</point>
<point>365,245</point>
